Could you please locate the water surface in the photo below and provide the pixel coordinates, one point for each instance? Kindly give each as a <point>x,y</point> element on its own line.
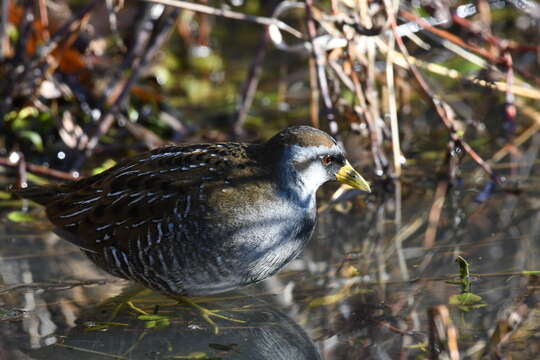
<point>367,287</point>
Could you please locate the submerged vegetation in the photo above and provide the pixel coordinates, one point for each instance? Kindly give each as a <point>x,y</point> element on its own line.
<point>437,101</point>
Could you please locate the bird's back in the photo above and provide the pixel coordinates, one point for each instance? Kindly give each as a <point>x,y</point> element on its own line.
<point>178,209</point>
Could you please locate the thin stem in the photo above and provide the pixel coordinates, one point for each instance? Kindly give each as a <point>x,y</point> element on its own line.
<point>229,14</point>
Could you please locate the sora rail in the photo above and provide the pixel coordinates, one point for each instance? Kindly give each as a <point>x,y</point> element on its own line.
<point>200,219</point>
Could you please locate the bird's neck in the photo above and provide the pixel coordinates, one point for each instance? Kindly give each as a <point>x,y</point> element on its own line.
<point>291,185</point>
<point>295,189</point>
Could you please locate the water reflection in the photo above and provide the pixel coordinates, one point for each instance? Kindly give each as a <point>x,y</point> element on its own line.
<point>141,324</point>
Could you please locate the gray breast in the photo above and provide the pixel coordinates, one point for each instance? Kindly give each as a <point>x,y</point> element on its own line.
<point>263,242</point>
<point>276,240</point>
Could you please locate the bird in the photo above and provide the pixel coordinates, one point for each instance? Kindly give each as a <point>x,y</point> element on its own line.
<point>200,219</point>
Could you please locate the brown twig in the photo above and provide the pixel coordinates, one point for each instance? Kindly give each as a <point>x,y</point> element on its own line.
<point>142,32</point>
<point>322,81</point>
<point>502,46</point>
<point>52,62</point>
<point>442,334</point>
<point>399,59</point>
<point>451,162</point>
<point>505,45</point>
<point>435,213</point>
<point>39,170</point>
<point>228,14</point>
<point>447,35</point>
<point>112,18</point>
<point>510,108</point>
<point>62,33</point>
<point>314,94</point>
<point>145,136</point>
<point>19,79</point>
<point>491,56</point>
<point>396,330</point>
<point>67,284</point>
<point>4,41</point>
<point>22,179</point>
<point>362,109</point>
<point>44,18</point>
<point>484,13</point>
<point>504,330</point>
<point>154,43</point>
<point>251,83</point>
<point>442,109</point>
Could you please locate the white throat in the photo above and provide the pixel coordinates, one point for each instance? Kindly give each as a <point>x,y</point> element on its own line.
<point>311,178</point>
<point>303,173</point>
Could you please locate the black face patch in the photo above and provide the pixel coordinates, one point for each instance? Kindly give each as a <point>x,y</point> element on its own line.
<point>300,166</point>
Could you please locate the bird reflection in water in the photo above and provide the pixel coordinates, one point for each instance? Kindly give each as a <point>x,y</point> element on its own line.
<point>142,324</point>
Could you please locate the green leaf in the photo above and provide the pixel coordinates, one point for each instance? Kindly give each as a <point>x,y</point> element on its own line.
<point>27,112</point>
<point>103,326</point>
<point>150,324</point>
<point>4,195</point>
<point>38,180</point>
<point>193,355</point>
<point>531,272</point>
<point>20,216</point>
<point>464,274</point>
<point>463,267</point>
<point>22,118</point>
<point>154,321</point>
<point>151,317</point>
<point>33,137</point>
<point>467,301</point>
<point>107,164</point>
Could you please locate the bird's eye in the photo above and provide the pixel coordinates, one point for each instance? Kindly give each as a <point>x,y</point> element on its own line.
<point>326,160</point>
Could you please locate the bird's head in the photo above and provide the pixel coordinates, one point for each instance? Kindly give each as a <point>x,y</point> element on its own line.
<point>308,157</point>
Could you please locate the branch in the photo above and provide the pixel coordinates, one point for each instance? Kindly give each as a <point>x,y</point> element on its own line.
<point>39,170</point>
<point>440,106</point>
<point>229,14</point>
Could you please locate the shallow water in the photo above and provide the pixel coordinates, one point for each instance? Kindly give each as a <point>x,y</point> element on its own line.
<point>364,288</point>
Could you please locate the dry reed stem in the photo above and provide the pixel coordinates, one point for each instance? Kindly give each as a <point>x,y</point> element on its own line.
<point>44,18</point>
<point>314,93</point>
<point>228,14</point>
<point>4,39</point>
<point>435,214</point>
<point>442,334</point>
<point>392,108</point>
<point>154,43</point>
<point>322,80</point>
<point>403,61</point>
<point>443,110</point>
<point>250,84</point>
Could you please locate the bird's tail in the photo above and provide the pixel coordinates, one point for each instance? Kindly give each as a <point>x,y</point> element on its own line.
<point>41,194</point>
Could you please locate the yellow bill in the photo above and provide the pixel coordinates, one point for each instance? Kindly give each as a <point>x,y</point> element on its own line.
<point>347,175</point>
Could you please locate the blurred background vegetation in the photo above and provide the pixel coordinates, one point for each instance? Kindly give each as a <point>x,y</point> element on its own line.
<point>110,78</point>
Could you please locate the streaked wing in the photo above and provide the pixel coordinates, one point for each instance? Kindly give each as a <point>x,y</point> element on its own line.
<point>151,194</point>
